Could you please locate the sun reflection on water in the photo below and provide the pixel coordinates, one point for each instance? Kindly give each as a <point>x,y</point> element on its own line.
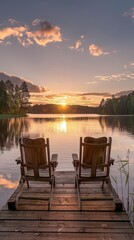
<point>62,125</point>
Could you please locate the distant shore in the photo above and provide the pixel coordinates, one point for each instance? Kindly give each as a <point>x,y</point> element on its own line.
<point>12,115</point>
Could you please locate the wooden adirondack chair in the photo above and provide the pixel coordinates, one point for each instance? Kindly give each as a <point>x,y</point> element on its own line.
<point>35,163</point>
<point>93,163</point>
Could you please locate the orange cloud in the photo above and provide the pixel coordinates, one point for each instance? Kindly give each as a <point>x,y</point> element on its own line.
<point>15,31</point>
<point>7,183</point>
<point>44,37</point>
<point>45,33</point>
<point>77,46</point>
<point>96,50</point>
<point>73,98</point>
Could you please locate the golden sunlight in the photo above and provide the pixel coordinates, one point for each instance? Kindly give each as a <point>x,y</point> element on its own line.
<point>62,126</point>
<point>63,104</point>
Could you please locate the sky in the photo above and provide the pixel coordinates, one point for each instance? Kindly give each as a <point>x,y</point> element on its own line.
<point>80,51</point>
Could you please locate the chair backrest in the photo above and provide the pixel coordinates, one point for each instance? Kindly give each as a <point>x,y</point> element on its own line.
<point>35,155</point>
<point>95,152</point>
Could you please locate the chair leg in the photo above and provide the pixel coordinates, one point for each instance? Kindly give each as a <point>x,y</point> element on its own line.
<point>54,181</point>
<point>102,185</point>
<point>78,191</point>
<point>28,184</point>
<point>51,192</point>
<point>20,187</point>
<point>75,182</point>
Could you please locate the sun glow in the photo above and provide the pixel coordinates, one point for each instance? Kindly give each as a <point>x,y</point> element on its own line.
<point>62,126</point>
<point>63,104</point>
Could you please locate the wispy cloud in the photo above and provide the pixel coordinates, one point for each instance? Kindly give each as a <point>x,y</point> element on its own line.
<point>129,66</point>
<point>96,50</point>
<point>36,21</point>
<point>129,13</point>
<point>116,77</point>
<point>92,82</point>
<point>103,94</point>
<point>77,45</point>
<point>13,21</point>
<point>43,33</point>
<point>132,64</point>
<point>72,98</point>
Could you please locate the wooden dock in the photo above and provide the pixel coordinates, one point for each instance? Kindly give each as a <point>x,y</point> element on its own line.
<point>100,218</point>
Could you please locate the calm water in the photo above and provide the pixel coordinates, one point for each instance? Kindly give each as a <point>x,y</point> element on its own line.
<point>64,132</point>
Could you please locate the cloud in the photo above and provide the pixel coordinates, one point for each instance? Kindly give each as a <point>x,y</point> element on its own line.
<point>36,22</point>
<point>15,31</point>
<point>94,94</point>
<point>93,82</point>
<point>72,98</point>
<point>77,46</point>
<point>46,34</point>
<point>82,36</point>
<point>129,13</point>
<point>116,77</point>
<point>96,50</point>
<point>129,66</point>
<point>43,33</point>
<point>18,81</point>
<point>13,21</point>
<point>132,64</point>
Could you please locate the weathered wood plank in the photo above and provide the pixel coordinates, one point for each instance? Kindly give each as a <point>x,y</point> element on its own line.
<point>65,226</point>
<point>58,215</point>
<point>63,236</point>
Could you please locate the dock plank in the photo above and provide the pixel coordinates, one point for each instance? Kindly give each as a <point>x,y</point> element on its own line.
<point>98,219</point>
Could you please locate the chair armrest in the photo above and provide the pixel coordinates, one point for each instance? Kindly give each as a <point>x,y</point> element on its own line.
<point>75,157</point>
<point>111,161</point>
<point>53,161</point>
<point>18,160</point>
<point>75,160</point>
<point>103,165</point>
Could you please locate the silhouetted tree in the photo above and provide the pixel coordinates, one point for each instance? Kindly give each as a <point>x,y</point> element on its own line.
<point>24,97</point>
<point>13,100</point>
<point>10,94</point>
<point>118,106</point>
<point>3,98</point>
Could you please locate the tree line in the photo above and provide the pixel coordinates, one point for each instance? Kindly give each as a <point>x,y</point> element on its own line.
<point>123,105</point>
<point>58,109</point>
<point>13,99</point>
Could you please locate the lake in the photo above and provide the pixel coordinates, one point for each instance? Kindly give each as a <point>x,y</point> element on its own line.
<point>64,132</point>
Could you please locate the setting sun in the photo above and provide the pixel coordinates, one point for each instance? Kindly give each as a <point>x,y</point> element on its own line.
<point>63,104</point>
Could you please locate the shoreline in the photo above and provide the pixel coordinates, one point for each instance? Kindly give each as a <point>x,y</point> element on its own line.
<point>12,115</point>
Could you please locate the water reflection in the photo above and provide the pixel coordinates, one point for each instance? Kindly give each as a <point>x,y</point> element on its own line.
<point>6,183</point>
<point>64,132</point>
<point>123,123</point>
<point>62,126</point>
<point>12,128</point>
<point>10,131</point>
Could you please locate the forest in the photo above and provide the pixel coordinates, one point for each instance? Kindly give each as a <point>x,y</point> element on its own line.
<point>123,105</point>
<point>14,100</point>
<point>59,109</point>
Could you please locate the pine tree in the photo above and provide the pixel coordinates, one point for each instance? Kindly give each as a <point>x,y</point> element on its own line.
<point>24,97</point>
<point>10,94</point>
<point>3,98</point>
